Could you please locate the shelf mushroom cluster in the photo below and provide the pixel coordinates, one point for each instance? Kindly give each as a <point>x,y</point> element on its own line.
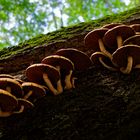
<point>56,72</point>
<point>16,96</point>
<point>115,46</point>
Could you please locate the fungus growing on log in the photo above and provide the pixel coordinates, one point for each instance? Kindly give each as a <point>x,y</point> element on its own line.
<point>12,77</point>
<point>12,86</point>
<point>114,37</point>
<point>64,65</point>
<point>136,28</point>
<point>80,60</point>
<point>93,40</point>
<point>44,74</point>
<point>32,91</point>
<point>127,57</point>
<point>111,25</point>
<point>132,40</point>
<point>8,103</point>
<point>23,105</point>
<point>100,58</point>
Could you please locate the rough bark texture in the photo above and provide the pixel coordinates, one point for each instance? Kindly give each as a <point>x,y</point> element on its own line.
<point>104,105</point>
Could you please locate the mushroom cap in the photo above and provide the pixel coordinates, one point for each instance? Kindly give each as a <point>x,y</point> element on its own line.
<point>64,63</point>
<point>95,59</point>
<point>80,59</point>
<point>91,39</point>
<point>8,102</point>
<point>27,104</point>
<point>35,73</point>
<point>19,80</point>
<point>38,90</point>
<point>121,54</point>
<point>111,25</point>
<point>6,76</point>
<point>136,27</point>
<point>132,40</point>
<point>12,77</point>
<point>110,36</point>
<point>16,88</point>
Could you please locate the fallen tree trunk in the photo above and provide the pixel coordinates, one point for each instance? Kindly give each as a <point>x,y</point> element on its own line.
<point>104,104</point>
<point>21,56</point>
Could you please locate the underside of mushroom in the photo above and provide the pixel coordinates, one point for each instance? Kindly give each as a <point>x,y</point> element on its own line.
<point>103,49</point>
<point>49,84</point>
<point>119,41</point>
<point>68,83</point>
<point>5,114</point>
<point>9,113</point>
<point>107,66</point>
<point>128,68</point>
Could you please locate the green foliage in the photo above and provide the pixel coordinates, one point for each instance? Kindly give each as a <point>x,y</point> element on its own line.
<point>69,32</point>
<point>23,19</point>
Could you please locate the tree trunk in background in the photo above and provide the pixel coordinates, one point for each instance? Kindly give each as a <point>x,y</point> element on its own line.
<point>104,105</point>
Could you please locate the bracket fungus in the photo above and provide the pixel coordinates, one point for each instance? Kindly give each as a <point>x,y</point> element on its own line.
<point>127,57</point>
<point>64,65</point>
<point>12,86</point>
<point>100,58</point>
<point>32,91</point>
<point>94,41</point>
<point>44,74</point>
<point>114,37</point>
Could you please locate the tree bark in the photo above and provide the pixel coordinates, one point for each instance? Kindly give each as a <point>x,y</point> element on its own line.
<point>104,105</point>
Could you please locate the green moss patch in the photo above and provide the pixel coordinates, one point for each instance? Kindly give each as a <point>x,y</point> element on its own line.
<point>67,33</point>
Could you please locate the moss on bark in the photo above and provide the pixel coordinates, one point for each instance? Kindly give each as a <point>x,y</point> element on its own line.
<point>70,32</point>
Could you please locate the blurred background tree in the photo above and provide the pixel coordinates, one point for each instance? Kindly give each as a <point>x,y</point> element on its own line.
<point>23,19</point>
